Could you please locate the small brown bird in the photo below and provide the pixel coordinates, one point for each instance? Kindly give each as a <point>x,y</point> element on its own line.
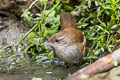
<point>68,44</point>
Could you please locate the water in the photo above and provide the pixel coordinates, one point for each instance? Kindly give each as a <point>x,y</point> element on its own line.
<point>32,71</point>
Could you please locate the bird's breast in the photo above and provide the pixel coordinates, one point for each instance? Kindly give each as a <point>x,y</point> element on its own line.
<point>67,53</point>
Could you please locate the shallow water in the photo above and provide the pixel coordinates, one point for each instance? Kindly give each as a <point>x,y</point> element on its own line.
<point>32,71</point>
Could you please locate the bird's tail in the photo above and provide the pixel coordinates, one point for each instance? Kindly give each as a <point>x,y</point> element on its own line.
<point>67,20</point>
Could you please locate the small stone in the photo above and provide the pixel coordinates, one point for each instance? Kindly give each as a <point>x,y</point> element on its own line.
<point>37,79</point>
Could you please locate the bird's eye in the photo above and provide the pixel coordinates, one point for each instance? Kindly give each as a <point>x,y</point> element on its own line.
<point>56,40</point>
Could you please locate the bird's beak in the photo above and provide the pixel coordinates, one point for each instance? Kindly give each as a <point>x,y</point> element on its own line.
<point>47,44</point>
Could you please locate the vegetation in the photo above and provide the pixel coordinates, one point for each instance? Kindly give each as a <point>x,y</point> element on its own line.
<point>99,19</point>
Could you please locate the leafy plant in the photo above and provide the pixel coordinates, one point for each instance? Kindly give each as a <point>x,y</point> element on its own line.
<point>100,22</point>
<point>47,23</point>
<point>99,19</point>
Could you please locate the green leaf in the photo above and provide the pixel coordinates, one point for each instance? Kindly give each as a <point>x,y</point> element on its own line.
<point>89,3</point>
<point>67,7</point>
<point>27,15</point>
<point>58,8</point>
<point>41,41</point>
<point>43,1</point>
<point>98,13</point>
<point>52,14</point>
<point>93,57</point>
<point>51,32</point>
<point>46,12</point>
<point>31,37</point>
<point>43,47</point>
<point>107,7</point>
<point>113,2</point>
<point>102,49</point>
<point>96,3</point>
<point>97,52</point>
<point>54,27</point>
<point>103,24</point>
<point>108,1</point>
<point>114,26</point>
<point>108,12</point>
<point>65,1</point>
<point>83,25</point>
<point>100,27</point>
<point>50,55</point>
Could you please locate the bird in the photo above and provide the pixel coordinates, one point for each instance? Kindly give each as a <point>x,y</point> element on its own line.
<point>70,43</point>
